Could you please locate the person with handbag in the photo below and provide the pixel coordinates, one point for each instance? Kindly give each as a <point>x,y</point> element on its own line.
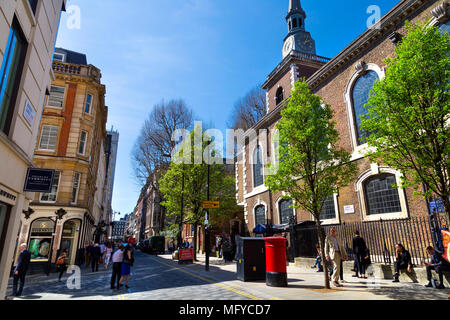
<point>61,263</point>
<point>127,263</point>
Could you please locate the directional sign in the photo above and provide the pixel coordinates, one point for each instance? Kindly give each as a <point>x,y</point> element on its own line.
<point>211,204</point>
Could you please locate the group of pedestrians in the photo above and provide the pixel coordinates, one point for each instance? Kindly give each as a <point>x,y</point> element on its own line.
<point>335,254</point>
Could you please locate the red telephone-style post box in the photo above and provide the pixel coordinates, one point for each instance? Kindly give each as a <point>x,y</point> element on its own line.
<point>276,270</point>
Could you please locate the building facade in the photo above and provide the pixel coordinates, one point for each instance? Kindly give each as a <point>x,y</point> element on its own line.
<point>28,30</point>
<point>111,148</point>
<point>344,83</point>
<point>71,142</point>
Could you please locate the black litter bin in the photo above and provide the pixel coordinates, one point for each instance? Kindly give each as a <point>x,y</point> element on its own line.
<point>251,259</point>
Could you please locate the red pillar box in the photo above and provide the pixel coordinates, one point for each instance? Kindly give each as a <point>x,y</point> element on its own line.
<point>276,270</point>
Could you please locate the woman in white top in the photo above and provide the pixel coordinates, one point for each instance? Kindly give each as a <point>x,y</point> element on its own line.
<point>107,255</point>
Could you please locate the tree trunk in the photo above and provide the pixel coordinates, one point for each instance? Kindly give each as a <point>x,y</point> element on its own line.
<point>322,252</point>
<point>446,202</point>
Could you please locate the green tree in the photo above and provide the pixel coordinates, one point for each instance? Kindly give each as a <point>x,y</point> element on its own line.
<point>222,187</point>
<point>312,166</point>
<point>408,112</point>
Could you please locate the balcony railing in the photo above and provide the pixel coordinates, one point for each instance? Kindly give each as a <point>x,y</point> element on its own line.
<point>74,69</point>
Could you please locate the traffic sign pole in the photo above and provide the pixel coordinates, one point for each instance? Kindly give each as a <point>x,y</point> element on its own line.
<point>207,228</point>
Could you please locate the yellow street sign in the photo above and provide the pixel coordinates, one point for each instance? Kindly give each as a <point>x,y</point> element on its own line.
<point>211,204</point>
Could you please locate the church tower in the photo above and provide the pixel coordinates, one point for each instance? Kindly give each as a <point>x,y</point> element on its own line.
<point>300,59</point>
<point>298,38</point>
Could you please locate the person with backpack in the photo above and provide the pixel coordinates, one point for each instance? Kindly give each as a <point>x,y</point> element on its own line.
<point>127,263</point>
<point>61,263</point>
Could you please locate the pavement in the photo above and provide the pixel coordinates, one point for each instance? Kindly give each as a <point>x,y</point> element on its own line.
<point>161,278</point>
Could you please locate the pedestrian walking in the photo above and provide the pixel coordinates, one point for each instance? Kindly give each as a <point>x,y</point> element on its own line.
<point>437,263</point>
<point>61,263</point>
<point>360,253</point>
<point>87,253</point>
<point>335,252</point>
<point>107,255</point>
<point>95,255</point>
<point>21,269</point>
<point>403,261</point>
<point>127,263</point>
<point>117,259</point>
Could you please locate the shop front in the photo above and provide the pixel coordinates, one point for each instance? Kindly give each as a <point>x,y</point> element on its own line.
<point>46,235</point>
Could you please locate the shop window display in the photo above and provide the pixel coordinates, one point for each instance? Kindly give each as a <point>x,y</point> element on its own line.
<point>41,239</point>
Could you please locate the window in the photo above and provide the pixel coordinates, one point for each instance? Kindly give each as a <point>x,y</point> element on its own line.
<point>328,209</point>
<point>49,135</point>
<point>41,239</point>
<point>260,215</point>
<point>56,98</point>
<point>381,197</point>
<point>279,96</point>
<point>4,217</point>
<point>286,211</point>
<point>58,56</point>
<point>360,97</point>
<point>10,74</point>
<point>87,107</point>
<point>258,177</point>
<point>76,186</point>
<point>294,23</point>
<point>51,197</point>
<point>83,141</point>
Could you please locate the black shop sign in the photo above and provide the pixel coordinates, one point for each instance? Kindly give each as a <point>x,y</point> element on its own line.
<point>39,180</point>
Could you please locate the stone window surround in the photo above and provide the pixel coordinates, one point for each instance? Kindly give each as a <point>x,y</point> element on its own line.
<point>262,187</point>
<point>85,148</point>
<point>91,105</point>
<point>361,68</point>
<point>40,138</point>
<point>277,205</point>
<point>259,203</point>
<point>337,218</point>
<point>359,189</point>
<point>64,99</point>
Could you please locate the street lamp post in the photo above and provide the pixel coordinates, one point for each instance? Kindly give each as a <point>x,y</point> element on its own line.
<point>207,225</point>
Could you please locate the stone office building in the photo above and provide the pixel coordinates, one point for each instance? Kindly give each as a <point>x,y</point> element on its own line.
<point>70,141</point>
<point>28,30</point>
<point>344,83</point>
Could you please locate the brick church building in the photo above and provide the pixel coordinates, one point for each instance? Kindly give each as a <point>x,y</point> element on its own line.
<point>344,83</point>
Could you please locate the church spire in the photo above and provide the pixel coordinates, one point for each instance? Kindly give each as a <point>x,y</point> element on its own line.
<point>294,5</point>
<point>298,38</point>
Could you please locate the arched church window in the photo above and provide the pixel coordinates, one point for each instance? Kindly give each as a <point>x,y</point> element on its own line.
<point>360,96</point>
<point>279,95</point>
<point>260,215</point>
<point>258,177</point>
<point>380,196</point>
<point>286,211</point>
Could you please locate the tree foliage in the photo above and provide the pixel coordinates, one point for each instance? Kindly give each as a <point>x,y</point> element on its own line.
<point>408,112</point>
<point>312,166</point>
<point>194,192</point>
<point>154,145</point>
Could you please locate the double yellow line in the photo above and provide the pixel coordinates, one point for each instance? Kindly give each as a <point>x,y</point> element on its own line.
<point>242,293</point>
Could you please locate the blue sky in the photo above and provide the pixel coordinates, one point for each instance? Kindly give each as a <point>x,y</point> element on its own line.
<point>208,52</point>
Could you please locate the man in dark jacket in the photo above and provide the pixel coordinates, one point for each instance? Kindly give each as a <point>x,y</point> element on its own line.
<point>21,270</point>
<point>360,252</point>
<point>437,263</point>
<point>95,254</point>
